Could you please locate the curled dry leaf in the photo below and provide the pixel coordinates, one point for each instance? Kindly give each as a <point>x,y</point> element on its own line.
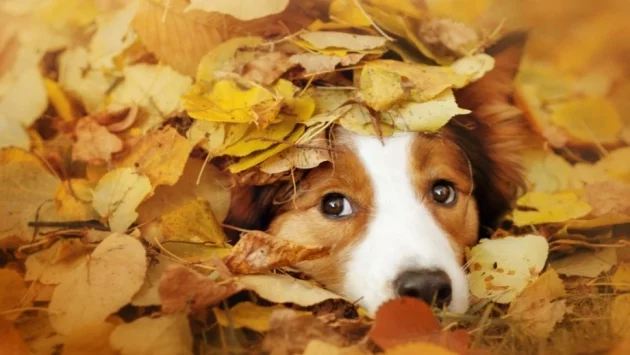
<point>549,208</point>
<point>95,144</point>
<point>118,194</point>
<point>536,310</point>
<point>26,187</point>
<point>51,266</point>
<point>312,155</point>
<point>586,263</point>
<point>608,197</point>
<point>160,155</point>
<point>407,320</point>
<point>85,296</point>
<point>241,9</point>
<point>166,335</point>
<point>283,289</point>
<point>247,315</point>
<point>257,252</point>
<point>90,339</point>
<point>117,119</point>
<point>183,289</point>
<point>11,339</point>
<point>500,269</point>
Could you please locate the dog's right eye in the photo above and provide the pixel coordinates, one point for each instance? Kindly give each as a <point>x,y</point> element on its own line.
<point>335,205</point>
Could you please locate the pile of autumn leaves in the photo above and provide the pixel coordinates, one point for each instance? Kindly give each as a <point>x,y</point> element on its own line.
<point>109,200</point>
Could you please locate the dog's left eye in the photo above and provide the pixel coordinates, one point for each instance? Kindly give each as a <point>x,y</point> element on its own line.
<point>335,205</point>
<point>444,193</point>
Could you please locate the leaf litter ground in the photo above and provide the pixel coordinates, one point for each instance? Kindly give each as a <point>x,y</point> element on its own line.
<point>124,123</point>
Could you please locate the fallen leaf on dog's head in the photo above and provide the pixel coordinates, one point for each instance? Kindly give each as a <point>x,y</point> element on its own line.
<point>283,289</point>
<point>586,263</point>
<point>166,335</point>
<point>300,158</point>
<point>621,278</point>
<point>608,197</point>
<point>118,194</point>
<point>590,120</point>
<point>500,269</point>
<point>11,339</point>
<point>342,40</point>
<point>257,252</point>
<point>247,315</point>
<point>241,9</point>
<point>253,141</point>
<point>90,339</point>
<point>84,296</point>
<point>406,320</point>
<point>51,266</point>
<point>549,208</point>
<point>183,289</point>
<point>536,310</point>
<point>95,144</point>
<point>160,155</point>
<point>26,187</point>
<point>620,316</point>
<point>13,289</point>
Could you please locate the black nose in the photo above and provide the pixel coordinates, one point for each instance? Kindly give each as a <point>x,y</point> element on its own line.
<point>431,286</point>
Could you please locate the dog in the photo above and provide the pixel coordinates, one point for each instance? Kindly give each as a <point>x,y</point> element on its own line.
<point>398,213</point>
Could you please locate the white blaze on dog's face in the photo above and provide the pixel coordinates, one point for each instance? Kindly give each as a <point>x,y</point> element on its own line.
<point>396,215</point>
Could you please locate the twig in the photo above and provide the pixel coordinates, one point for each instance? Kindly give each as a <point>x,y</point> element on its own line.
<point>93,224</point>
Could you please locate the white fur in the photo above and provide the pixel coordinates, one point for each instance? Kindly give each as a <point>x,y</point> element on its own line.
<point>402,233</point>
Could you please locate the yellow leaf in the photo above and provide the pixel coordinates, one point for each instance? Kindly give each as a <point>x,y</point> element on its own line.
<point>615,164</point>
<point>621,278</point>
<point>550,208</point>
<point>279,288</point>
<point>461,10</point>
<point>13,134</point>
<point>586,263</point>
<point>258,157</point>
<point>61,13</point>
<point>228,103</point>
<point>500,269</point>
<point>192,221</point>
<point>300,158</point>
<point>74,200</point>
<point>85,297</point>
<point>90,339</point>
<point>160,155</point>
<point>165,335</point>
<point>589,120</point>
<point>214,137</point>
<point>113,35</point>
<point>197,252</point>
<point>620,315</point>
<point>247,315</point>
<point>60,101</point>
<point>13,289</point>
<point>26,187</point>
<point>357,118</point>
<point>535,310</point>
<point>347,12</point>
<point>258,252</point>
<point>380,88</point>
<point>118,194</point>
<point>548,172</point>
<point>341,40</point>
<point>220,59</point>
<point>241,9</point>
<point>51,266</point>
<point>251,141</point>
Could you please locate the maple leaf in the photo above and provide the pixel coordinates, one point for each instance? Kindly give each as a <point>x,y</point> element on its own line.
<point>95,144</point>
<point>84,297</point>
<point>500,269</point>
<point>258,251</point>
<point>167,334</point>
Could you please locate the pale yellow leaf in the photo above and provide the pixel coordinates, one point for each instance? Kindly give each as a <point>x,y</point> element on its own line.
<point>549,208</point>
<point>221,59</point>
<point>342,40</point>
<point>148,294</point>
<point>166,335</point>
<point>240,9</point>
<point>589,120</point>
<point>500,269</point>
<point>214,137</point>
<point>113,35</point>
<point>586,263</point>
<point>279,288</point>
<point>548,172</point>
<point>90,339</point>
<point>86,296</point>
<point>13,134</point>
<point>13,289</point>
<point>246,315</point>
<point>118,194</point>
<point>26,187</point>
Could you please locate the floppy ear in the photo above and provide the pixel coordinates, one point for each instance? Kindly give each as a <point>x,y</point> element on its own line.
<point>497,131</point>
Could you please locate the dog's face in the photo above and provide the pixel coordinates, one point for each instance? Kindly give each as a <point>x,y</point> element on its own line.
<point>398,213</point>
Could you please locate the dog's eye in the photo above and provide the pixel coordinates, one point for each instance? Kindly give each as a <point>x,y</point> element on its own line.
<point>444,193</point>
<point>336,205</point>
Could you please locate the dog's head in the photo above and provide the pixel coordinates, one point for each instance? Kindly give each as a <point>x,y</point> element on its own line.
<point>397,216</point>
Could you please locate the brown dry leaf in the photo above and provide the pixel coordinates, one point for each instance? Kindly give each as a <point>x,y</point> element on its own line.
<point>323,63</point>
<point>53,265</point>
<point>86,296</point>
<point>182,289</point>
<point>148,294</point>
<point>13,289</point>
<point>448,38</point>
<point>95,144</point>
<point>608,197</point>
<point>586,263</point>
<point>406,320</point>
<point>27,189</point>
<point>11,339</point>
<point>621,278</point>
<point>257,252</point>
<point>290,332</point>
<point>247,315</point>
<point>283,289</point>
<point>536,310</point>
<point>309,157</point>
<point>90,339</point>
<point>620,315</point>
<point>160,155</point>
<point>166,335</point>
<point>267,68</point>
<point>240,9</point>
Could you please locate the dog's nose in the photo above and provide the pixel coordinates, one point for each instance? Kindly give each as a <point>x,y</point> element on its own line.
<point>425,284</point>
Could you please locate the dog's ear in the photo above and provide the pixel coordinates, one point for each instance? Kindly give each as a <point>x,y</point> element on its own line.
<point>497,131</point>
